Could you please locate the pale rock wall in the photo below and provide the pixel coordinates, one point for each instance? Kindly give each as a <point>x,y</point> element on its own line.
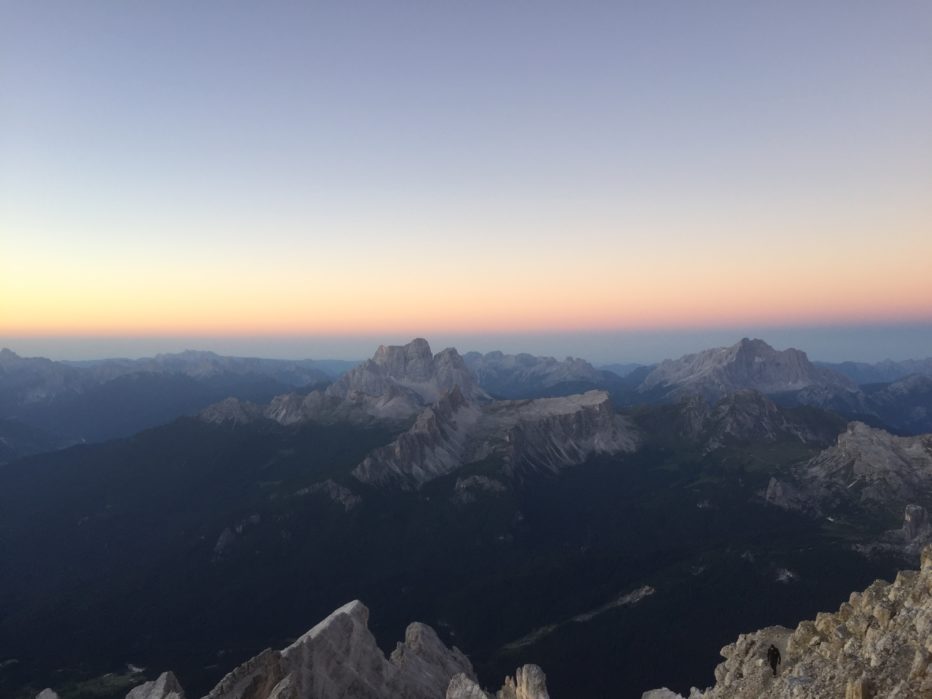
<point>878,644</point>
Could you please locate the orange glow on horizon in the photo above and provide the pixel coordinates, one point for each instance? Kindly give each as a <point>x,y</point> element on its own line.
<point>555,290</point>
<point>457,317</point>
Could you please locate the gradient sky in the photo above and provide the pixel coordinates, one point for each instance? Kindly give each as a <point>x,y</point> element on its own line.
<point>463,169</point>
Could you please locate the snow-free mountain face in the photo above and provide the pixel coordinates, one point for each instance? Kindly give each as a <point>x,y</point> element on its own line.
<point>749,364</point>
<point>456,423</point>
<point>339,658</point>
<point>527,376</point>
<point>36,379</point>
<point>410,376</point>
<point>71,402</point>
<point>905,404</point>
<point>875,645</point>
<point>880,372</point>
<point>747,417</point>
<point>543,434</point>
<point>867,468</point>
<point>396,384</point>
<point>25,380</point>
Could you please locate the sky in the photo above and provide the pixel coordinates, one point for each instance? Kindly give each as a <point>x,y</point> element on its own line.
<point>612,180</point>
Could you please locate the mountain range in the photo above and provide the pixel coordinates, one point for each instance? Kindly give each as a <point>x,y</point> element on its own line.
<point>886,371</point>
<point>47,405</point>
<point>749,364</point>
<point>555,528</point>
<point>526,376</point>
<point>787,376</point>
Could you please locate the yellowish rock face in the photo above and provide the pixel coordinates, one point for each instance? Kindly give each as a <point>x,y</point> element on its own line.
<point>877,644</point>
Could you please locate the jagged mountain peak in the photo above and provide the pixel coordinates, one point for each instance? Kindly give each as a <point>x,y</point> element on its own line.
<point>355,611</point>
<point>542,434</point>
<point>413,360</point>
<point>410,369</point>
<point>748,364</point>
<point>396,384</point>
<point>754,346</point>
<point>339,658</point>
<point>165,686</point>
<point>867,467</point>
<point>861,441</point>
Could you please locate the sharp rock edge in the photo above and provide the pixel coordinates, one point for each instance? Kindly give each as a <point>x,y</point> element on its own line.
<point>878,644</point>
<point>339,659</point>
<point>866,468</point>
<point>396,384</point>
<point>543,434</point>
<point>750,364</point>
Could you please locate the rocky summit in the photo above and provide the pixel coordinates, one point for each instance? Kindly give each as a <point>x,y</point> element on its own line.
<point>410,372</point>
<point>544,434</point>
<point>878,644</point>
<point>339,659</point>
<point>529,682</point>
<point>749,364</point>
<point>396,384</point>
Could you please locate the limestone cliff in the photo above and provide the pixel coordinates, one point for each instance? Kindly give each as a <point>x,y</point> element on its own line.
<point>878,644</point>
<point>411,375</point>
<point>748,417</point>
<point>396,384</point>
<point>339,659</point>
<point>165,686</point>
<point>524,375</point>
<point>867,468</point>
<point>749,364</point>
<point>529,682</point>
<point>544,434</point>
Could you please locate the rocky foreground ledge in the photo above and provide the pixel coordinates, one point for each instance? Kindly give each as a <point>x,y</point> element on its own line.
<point>878,644</point>
<point>339,659</point>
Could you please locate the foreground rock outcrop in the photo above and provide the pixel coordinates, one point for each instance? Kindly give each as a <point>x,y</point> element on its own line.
<point>165,686</point>
<point>878,644</point>
<point>529,682</point>
<point>339,659</point>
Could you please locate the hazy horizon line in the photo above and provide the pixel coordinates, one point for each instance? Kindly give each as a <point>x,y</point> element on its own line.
<point>864,343</point>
